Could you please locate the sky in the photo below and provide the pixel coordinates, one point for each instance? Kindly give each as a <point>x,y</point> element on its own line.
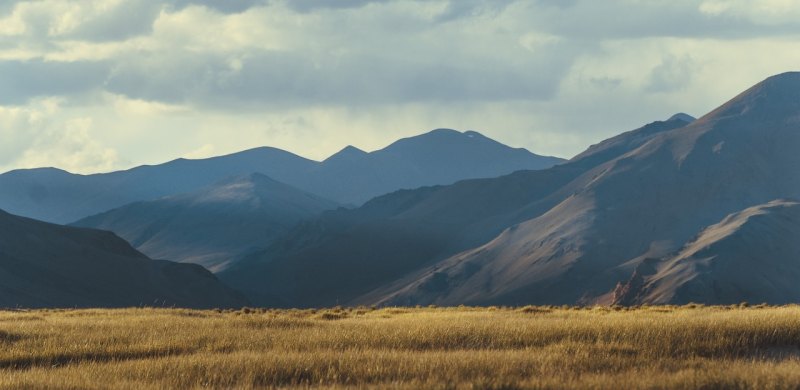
<point>99,85</point>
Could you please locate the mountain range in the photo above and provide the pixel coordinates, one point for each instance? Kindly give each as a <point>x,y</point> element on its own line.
<point>349,177</point>
<point>651,216</point>
<point>392,237</point>
<point>681,210</point>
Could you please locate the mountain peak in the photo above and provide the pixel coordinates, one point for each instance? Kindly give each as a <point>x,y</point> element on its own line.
<point>682,117</point>
<point>254,177</point>
<point>450,133</point>
<point>348,153</point>
<point>46,171</point>
<point>253,186</point>
<point>442,131</point>
<point>774,99</point>
<point>473,134</point>
<point>782,85</point>
<point>350,149</point>
<point>260,180</point>
<point>438,137</point>
<point>794,76</point>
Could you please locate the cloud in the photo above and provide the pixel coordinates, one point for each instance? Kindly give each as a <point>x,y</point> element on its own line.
<point>763,12</point>
<point>137,81</point>
<point>24,80</point>
<point>16,126</point>
<point>205,151</point>
<point>290,79</point>
<point>224,6</point>
<point>248,53</point>
<point>671,75</point>
<point>626,19</point>
<point>117,21</point>
<point>37,137</point>
<point>45,22</point>
<point>70,146</point>
<point>219,61</point>
<point>458,9</point>
<point>311,5</point>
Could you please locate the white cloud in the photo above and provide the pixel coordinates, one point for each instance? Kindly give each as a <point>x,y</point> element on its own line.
<point>141,108</point>
<point>204,151</point>
<point>70,146</point>
<point>36,136</point>
<point>672,74</point>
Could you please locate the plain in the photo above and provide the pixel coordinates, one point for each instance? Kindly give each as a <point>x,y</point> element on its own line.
<point>488,348</point>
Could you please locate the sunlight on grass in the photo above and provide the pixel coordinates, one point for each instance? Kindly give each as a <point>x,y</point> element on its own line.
<point>531,347</point>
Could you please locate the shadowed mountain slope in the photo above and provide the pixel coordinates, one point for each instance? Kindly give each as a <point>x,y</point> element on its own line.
<point>46,265</point>
<point>214,225</point>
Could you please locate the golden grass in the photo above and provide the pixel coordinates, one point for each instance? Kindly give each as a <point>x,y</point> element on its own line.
<point>440,348</point>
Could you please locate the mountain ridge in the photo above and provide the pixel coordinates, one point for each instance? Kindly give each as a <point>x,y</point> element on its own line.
<point>213,225</point>
<point>623,204</point>
<point>432,220</point>
<point>58,196</point>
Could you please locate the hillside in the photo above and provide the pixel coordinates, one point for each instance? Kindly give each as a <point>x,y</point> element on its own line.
<point>752,255</point>
<point>212,226</point>
<point>645,204</point>
<point>46,265</point>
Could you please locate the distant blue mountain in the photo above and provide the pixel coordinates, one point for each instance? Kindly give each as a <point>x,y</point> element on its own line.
<point>212,226</point>
<point>348,177</point>
<point>439,157</point>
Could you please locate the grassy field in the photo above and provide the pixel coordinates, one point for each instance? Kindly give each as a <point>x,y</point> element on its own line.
<point>480,348</point>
